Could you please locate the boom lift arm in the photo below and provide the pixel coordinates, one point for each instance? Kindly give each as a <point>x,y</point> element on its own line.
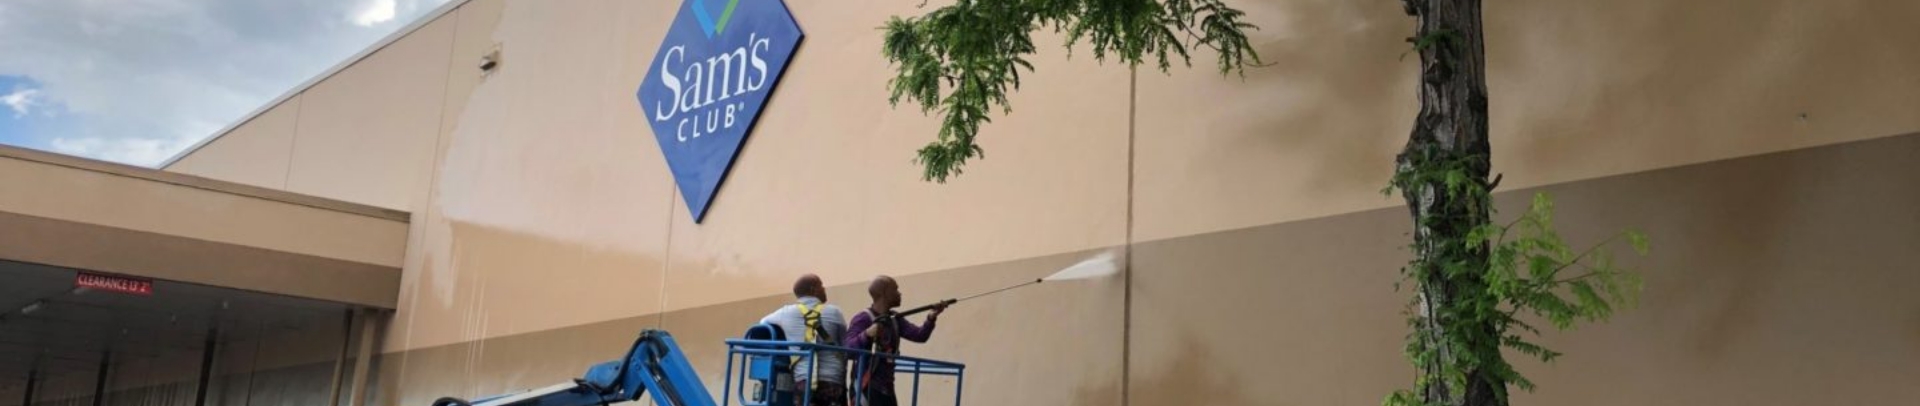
<point>654,364</point>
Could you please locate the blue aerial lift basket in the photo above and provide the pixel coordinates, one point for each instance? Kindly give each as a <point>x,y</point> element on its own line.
<point>768,358</point>
<point>656,364</point>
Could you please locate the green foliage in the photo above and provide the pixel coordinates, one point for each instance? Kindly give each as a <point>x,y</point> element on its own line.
<point>963,59</point>
<point>1428,41</point>
<point>1496,279</point>
<point>1478,284</point>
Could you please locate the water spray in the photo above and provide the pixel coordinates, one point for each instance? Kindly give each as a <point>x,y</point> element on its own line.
<point>1097,267</point>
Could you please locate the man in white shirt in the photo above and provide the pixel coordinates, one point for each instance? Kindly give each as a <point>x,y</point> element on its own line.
<point>811,319</point>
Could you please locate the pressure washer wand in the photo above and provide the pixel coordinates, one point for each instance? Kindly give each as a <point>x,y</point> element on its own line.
<point>1034,282</point>
<point>948,302</point>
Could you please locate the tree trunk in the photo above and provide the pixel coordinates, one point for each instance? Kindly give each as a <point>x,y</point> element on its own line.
<point>1450,134</point>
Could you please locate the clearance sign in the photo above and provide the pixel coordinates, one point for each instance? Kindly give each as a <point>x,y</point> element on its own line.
<point>114,284</point>
<point>708,82</point>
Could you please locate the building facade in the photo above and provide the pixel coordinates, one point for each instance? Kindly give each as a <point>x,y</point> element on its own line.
<point>1768,148</point>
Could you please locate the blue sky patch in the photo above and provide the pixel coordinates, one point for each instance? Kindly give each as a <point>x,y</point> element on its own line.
<point>29,117</point>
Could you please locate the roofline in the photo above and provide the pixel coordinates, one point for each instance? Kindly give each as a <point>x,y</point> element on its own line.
<point>197,182</point>
<point>303,86</point>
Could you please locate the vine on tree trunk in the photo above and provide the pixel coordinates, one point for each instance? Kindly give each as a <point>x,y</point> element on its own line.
<point>1474,280</point>
<point>1477,285</point>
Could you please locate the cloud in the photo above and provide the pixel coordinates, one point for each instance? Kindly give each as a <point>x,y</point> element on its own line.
<point>379,11</point>
<point>138,75</point>
<point>19,101</point>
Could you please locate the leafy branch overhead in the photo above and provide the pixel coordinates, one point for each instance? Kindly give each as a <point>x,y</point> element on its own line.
<point>962,60</point>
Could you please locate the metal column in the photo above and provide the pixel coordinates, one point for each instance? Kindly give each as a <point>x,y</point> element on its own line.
<point>361,365</point>
<point>340,362</point>
<point>33,379</point>
<point>206,366</point>
<point>100,381</point>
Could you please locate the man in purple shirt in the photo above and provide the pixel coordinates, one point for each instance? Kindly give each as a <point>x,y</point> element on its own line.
<point>876,385</point>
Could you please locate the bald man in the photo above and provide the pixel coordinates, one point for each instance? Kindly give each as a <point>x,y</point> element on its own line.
<point>884,338</point>
<point>811,319</point>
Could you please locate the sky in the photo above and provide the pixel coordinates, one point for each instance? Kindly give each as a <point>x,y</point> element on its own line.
<point>137,81</point>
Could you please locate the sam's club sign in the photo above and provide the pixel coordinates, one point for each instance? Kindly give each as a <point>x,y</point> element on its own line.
<point>707,84</point>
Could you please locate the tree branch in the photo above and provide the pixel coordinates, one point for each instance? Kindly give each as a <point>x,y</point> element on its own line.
<point>1576,260</point>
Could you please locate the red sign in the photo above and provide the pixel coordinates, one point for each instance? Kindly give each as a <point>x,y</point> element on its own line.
<point>114,283</point>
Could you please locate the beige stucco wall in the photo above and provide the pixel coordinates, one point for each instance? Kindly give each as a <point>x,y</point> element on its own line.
<point>545,216</point>
<point>365,135</point>
<point>826,183</point>
<point>1773,280</point>
<point>520,219</point>
<point>1572,100</point>
<point>1578,90</point>
<point>575,186</point>
<point>255,153</point>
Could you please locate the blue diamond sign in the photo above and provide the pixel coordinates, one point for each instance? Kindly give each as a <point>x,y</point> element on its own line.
<point>707,84</point>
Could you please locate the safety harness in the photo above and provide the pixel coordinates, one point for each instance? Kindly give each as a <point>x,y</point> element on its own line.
<point>879,346</point>
<point>815,331</point>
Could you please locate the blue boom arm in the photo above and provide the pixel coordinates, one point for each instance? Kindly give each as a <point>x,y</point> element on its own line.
<point>654,364</point>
